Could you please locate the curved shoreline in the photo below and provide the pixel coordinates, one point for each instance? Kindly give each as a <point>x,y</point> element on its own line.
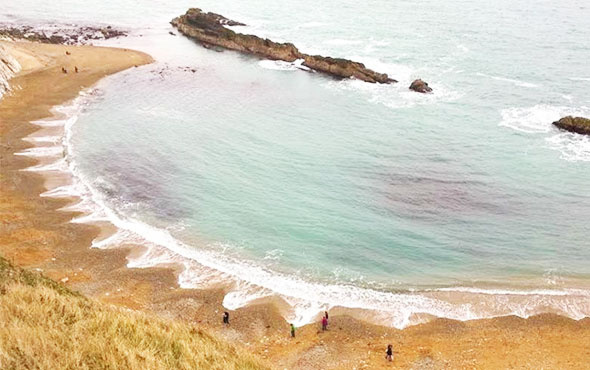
<point>37,233</point>
<point>303,300</point>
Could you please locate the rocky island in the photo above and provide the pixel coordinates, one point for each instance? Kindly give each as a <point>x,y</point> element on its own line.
<point>420,86</point>
<point>579,125</point>
<point>209,29</point>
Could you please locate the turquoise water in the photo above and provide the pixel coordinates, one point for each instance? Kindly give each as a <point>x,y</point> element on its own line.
<point>279,172</point>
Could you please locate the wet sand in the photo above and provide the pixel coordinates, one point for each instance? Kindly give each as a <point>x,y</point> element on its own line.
<point>35,235</point>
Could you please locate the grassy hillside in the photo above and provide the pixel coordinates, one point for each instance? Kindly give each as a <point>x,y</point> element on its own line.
<point>47,326</point>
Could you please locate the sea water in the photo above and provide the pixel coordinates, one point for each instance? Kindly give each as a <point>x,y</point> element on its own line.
<point>463,203</point>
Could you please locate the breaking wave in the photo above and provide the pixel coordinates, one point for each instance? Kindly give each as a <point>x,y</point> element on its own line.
<point>539,118</point>
<point>251,280</point>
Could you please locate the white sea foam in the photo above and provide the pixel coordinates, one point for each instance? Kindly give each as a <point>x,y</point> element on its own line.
<point>400,72</point>
<point>372,45</point>
<point>299,64</point>
<point>580,79</point>
<point>274,254</point>
<point>277,65</point>
<point>252,281</point>
<point>280,65</point>
<point>510,80</point>
<point>42,151</point>
<point>343,42</point>
<point>539,119</point>
<point>43,139</point>
<point>395,95</point>
<point>569,98</point>
<point>312,24</point>
<point>398,95</point>
<point>56,122</point>
<point>517,292</point>
<point>463,48</point>
<point>307,298</point>
<point>244,294</point>
<point>58,165</point>
<point>573,147</point>
<point>255,27</point>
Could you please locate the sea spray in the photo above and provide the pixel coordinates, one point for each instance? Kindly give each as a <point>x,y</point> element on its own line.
<point>538,120</point>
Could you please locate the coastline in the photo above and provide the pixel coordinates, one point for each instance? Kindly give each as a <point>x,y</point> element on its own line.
<point>301,301</point>
<point>34,233</point>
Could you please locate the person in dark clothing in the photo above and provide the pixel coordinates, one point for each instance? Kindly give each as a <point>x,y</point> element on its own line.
<point>226,318</point>
<point>292,331</point>
<point>326,314</point>
<point>389,353</point>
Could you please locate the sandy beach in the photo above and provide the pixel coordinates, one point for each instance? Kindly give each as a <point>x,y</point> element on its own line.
<point>35,235</point>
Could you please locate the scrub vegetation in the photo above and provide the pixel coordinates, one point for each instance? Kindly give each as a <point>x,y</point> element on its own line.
<point>45,325</point>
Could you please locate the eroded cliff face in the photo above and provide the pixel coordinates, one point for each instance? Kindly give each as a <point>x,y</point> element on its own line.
<point>8,68</point>
<point>209,29</point>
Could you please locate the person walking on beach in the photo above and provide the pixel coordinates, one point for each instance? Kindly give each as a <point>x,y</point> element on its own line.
<point>226,318</point>
<point>324,323</point>
<point>292,331</point>
<point>389,353</point>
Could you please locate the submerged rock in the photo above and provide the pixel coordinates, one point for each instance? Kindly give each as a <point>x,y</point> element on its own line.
<point>579,125</point>
<point>420,86</point>
<point>209,29</point>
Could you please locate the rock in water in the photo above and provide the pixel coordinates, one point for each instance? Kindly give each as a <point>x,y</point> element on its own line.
<point>209,29</point>
<point>578,125</point>
<point>420,86</point>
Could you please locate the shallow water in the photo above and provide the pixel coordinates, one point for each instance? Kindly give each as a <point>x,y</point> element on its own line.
<point>342,192</point>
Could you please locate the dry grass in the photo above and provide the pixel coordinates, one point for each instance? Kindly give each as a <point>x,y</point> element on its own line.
<point>47,326</point>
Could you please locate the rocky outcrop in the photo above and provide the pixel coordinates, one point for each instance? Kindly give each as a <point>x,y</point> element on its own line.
<point>208,29</point>
<point>420,86</point>
<point>60,34</point>
<point>578,125</point>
